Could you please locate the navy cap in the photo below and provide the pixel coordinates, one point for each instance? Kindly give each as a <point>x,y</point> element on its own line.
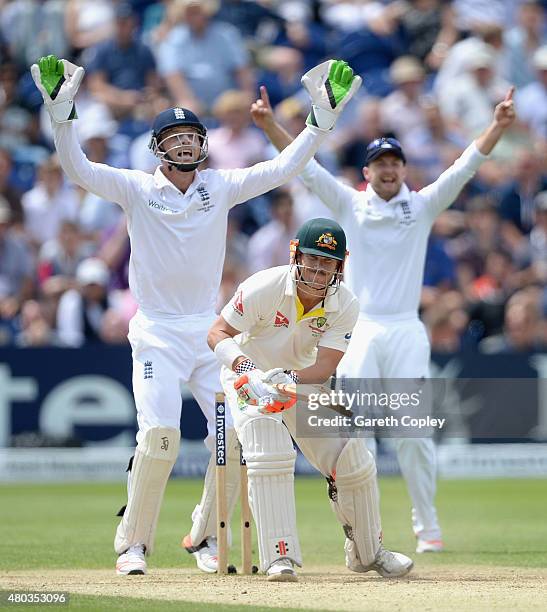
<point>176,116</point>
<point>384,145</point>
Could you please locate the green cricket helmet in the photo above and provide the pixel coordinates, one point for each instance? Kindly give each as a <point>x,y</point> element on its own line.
<point>323,237</point>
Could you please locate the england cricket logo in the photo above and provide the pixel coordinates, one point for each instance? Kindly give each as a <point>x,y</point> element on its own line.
<point>328,241</point>
<point>179,113</point>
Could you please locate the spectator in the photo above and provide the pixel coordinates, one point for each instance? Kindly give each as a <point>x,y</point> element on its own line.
<point>484,36</point>
<point>430,29</point>
<point>308,37</point>
<point>531,101</point>
<point>15,120</point>
<point>201,58</point>
<point>522,41</point>
<point>282,69</point>
<point>489,293</point>
<point>370,53</point>
<point>16,272</point>
<point>538,240</point>
<point>446,322</point>
<point>257,23</point>
<point>121,67</point>
<point>431,146</point>
<point>517,203</point>
<point>87,23</point>
<point>268,246</point>
<point>402,112</point>
<point>7,189</point>
<point>59,258</point>
<point>81,310</point>
<point>33,28</point>
<point>440,269</point>
<point>49,203</point>
<point>521,326</point>
<point>468,100</point>
<point>235,144</point>
<point>159,19</point>
<point>481,236</point>
<point>35,329</point>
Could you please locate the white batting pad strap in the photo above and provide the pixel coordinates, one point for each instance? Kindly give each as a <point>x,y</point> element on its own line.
<point>204,516</point>
<point>356,502</point>
<point>154,458</point>
<point>270,457</point>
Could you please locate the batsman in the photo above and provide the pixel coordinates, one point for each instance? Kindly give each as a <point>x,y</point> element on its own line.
<point>284,326</point>
<point>177,220</point>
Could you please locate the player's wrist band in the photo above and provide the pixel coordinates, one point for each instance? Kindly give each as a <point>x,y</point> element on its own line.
<point>227,351</point>
<point>293,375</point>
<point>246,365</point>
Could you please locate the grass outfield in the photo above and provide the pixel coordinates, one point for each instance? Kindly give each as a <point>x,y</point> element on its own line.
<point>71,527</point>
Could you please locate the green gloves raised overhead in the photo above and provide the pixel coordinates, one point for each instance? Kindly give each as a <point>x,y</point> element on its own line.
<point>331,86</point>
<point>58,81</point>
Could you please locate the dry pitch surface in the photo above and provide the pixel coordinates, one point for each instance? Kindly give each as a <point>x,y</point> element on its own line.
<point>325,588</point>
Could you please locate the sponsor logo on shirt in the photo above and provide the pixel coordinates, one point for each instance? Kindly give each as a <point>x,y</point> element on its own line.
<point>347,337</point>
<point>327,241</point>
<point>238,303</point>
<point>161,207</point>
<point>281,320</point>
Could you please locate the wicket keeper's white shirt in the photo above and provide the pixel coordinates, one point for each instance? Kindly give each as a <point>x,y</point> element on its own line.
<point>387,241</point>
<point>178,240</point>
<point>274,331</point>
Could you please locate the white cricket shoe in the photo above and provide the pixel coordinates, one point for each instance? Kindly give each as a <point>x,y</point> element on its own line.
<point>390,564</point>
<point>131,562</point>
<point>282,570</point>
<point>206,553</point>
<point>427,546</point>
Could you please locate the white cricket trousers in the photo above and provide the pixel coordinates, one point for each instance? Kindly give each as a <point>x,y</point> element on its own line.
<point>169,352</point>
<point>390,347</point>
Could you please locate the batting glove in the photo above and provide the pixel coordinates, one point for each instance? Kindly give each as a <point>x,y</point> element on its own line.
<point>250,387</point>
<point>331,86</point>
<point>278,376</point>
<point>58,81</point>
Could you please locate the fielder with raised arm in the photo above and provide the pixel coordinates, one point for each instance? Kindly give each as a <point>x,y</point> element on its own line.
<point>176,220</point>
<point>287,325</point>
<point>388,228</point>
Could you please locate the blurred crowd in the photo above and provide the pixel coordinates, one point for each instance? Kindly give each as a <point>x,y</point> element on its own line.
<point>433,71</point>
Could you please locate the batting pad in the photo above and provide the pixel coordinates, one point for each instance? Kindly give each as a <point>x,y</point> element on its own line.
<point>204,516</point>
<point>354,497</point>
<point>270,456</point>
<point>154,458</point>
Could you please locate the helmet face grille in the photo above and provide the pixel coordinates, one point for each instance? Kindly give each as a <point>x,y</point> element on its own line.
<point>185,149</point>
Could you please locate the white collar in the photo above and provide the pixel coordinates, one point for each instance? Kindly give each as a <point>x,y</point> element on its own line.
<point>162,181</point>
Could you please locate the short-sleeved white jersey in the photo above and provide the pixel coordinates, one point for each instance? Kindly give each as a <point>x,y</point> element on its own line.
<point>274,331</point>
<point>178,240</point>
<point>388,240</point>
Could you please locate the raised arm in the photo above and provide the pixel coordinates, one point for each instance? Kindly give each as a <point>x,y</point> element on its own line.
<point>58,82</point>
<point>442,193</point>
<point>319,181</point>
<point>330,85</point>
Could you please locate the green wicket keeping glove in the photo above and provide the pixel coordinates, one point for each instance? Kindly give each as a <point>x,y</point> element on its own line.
<point>331,86</point>
<point>58,81</point>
